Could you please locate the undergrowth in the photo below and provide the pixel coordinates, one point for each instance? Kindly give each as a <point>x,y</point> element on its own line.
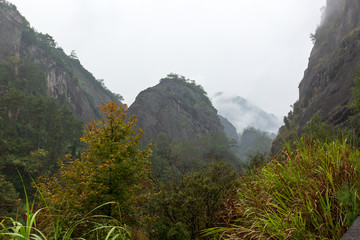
<point>310,191</point>
<point>93,226</point>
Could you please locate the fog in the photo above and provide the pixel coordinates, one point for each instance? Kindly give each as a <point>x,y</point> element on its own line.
<point>254,49</point>
<point>242,113</point>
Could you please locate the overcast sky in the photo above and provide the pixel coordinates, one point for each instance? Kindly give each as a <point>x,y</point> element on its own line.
<point>257,49</point>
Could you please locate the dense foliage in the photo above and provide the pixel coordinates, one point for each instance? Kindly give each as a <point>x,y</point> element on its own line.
<point>112,168</point>
<point>193,203</point>
<point>192,183</point>
<point>35,130</point>
<point>172,159</point>
<point>252,142</point>
<point>190,84</point>
<point>309,192</point>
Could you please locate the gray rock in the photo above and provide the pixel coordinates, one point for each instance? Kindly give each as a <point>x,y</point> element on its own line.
<point>325,88</point>
<point>229,129</point>
<point>176,108</point>
<point>353,233</point>
<point>66,78</point>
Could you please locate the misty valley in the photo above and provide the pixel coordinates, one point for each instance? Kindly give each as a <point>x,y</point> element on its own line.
<point>76,162</point>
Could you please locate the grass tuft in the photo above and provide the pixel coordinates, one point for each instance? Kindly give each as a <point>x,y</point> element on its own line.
<point>307,192</point>
<point>94,226</point>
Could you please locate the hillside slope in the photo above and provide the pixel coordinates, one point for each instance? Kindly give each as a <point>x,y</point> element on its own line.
<point>66,78</point>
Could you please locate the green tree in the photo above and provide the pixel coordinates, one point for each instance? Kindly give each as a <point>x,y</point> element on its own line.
<point>111,168</point>
<point>34,129</point>
<point>8,197</point>
<point>354,105</point>
<point>171,159</point>
<point>194,203</point>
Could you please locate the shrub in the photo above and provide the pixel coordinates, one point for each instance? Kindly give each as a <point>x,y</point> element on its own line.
<point>311,192</point>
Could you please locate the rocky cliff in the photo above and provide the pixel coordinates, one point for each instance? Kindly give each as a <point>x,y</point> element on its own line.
<point>325,88</point>
<point>177,107</point>
<point>67,80</point>
<point>229,129</point>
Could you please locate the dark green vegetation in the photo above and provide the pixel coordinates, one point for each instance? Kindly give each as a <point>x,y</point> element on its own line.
<point>43,93</point>
<point>109,189</point>
<point>111,169</point>
<point>66,79</point>
<point>309,191</point>
<point>181,80</point>
<point>192,203</point>
<point>12,228</point>
<point>35,129</point>
<point>115,193</point>
<point>172,159</point>
<point>252,142</point>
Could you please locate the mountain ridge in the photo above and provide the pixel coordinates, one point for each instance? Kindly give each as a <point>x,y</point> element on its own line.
<point>67,79</point>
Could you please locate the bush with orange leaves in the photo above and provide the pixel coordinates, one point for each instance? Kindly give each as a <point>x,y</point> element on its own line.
<point>112,168</point>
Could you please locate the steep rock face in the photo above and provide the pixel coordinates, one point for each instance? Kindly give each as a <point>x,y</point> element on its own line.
<point>11,27</point>
<point>66,78</point>
<point>325,88</point>
<point>229,129</point>
<point>176,107</point>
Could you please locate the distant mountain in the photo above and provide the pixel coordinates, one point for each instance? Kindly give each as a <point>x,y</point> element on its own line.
<point>242,114</point>
<point>248,143</point>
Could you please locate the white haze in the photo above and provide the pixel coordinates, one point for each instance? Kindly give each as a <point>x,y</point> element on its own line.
<point>242,113</point>
<point>257,49</point>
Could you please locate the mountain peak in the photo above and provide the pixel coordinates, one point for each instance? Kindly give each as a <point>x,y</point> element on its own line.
<point>178,107</point>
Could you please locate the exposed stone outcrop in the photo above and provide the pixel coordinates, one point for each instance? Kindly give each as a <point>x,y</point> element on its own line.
<point>325,88</point>
<point>11,27</point>
<point>176,108</point>
<point>66,78</point>
<point>229,129</point>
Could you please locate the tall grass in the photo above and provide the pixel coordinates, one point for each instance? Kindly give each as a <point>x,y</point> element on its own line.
<point>96,226</point>
<point>310,192</point>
